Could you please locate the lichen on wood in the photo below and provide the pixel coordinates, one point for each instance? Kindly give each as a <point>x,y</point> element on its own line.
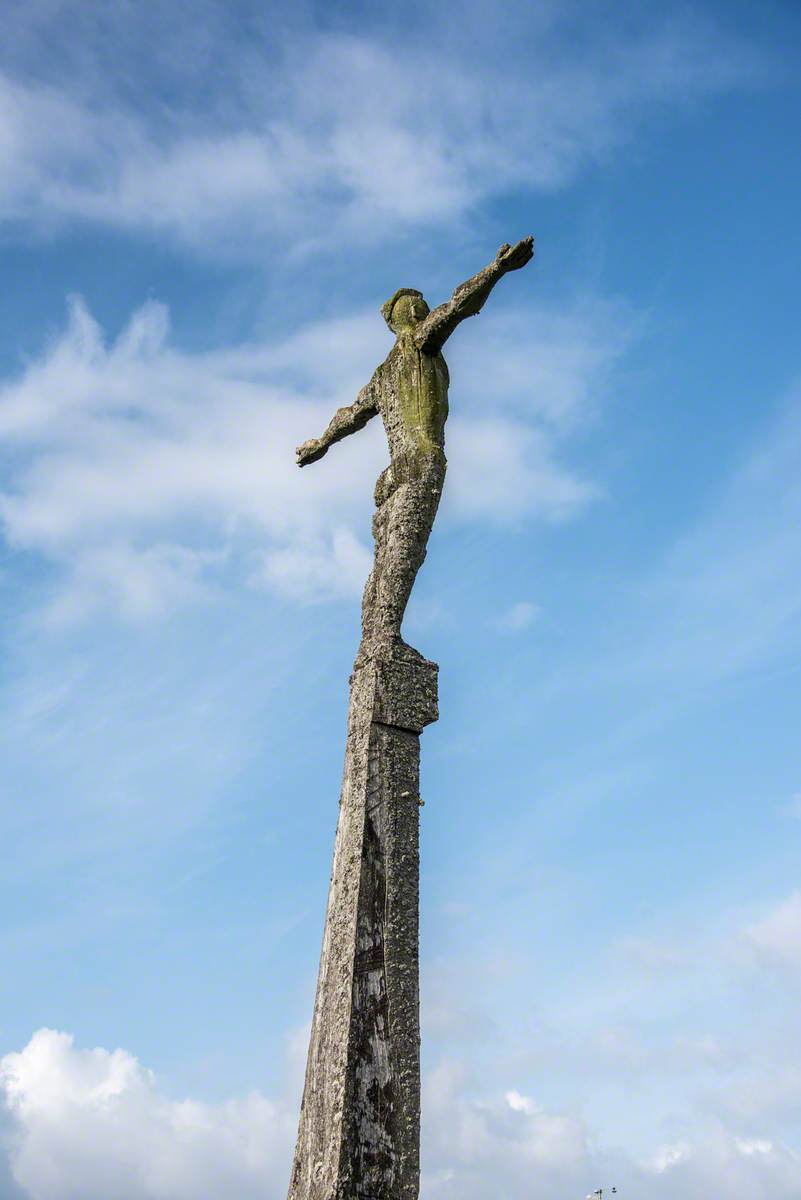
<point>359,1132</point>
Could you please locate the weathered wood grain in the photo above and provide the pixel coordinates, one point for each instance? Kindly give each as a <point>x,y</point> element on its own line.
<point>359,1134</point>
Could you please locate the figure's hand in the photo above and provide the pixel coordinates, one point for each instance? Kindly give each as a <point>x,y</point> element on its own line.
<point>512,258</point>
<point>310,451</point>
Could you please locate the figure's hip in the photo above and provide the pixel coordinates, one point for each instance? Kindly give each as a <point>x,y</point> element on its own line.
<point>419,467</point>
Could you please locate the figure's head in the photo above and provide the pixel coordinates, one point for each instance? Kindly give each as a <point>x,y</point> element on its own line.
<point>404,309</point>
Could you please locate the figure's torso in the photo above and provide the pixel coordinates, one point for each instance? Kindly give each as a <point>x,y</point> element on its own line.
<point>413,399</point>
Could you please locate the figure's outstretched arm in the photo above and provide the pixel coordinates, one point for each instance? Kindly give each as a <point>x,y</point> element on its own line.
<point>469,297</point>
<point>344,421</point>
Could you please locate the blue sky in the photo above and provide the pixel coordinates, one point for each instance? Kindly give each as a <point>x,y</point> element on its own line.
<point>200,215</point>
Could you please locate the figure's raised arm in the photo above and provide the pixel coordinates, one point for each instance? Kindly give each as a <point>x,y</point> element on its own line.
<point>469,297</point>
<point>344,421</point>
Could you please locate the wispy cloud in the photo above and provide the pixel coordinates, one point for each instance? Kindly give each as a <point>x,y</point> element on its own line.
<point>725,597</point>
<point>519,616</point>
<point>731,589</point>
<point>793,809</point>
<point>365,133</point>
<point>147,474</point>
<point>776,938</point>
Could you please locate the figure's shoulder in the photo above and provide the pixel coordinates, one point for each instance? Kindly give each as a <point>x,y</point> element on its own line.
<point>377,385</point>
<point>384,371</point>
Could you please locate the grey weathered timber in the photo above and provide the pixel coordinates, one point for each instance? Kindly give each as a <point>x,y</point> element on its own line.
<point>410,391</point>
<point>360,1120</point>
<point>359,1136</point>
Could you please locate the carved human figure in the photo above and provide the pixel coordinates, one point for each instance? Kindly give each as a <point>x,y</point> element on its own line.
<point>410,391</point>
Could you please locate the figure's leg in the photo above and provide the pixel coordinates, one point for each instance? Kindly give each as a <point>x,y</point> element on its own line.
<point>385,485</point>
<point>369,605</point>
<point>404,537</point>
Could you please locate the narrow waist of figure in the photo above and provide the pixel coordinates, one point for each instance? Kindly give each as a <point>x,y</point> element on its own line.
<point>423,452</point>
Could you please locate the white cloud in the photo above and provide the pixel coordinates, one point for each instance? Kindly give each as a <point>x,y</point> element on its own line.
<point>137,467</point>
<point>469,1140</point>
<point>508,1144</point>
<point>147,474</point>
<point>94,1123</point>
<point>316,571</point>
<point>730,950</point>
<point>139,584</point>
<point>358,134</point>
<point>505,468</point>
<point>554,365</point>
<point>754,1146</point>
<point>669,1156</point>
<point>519,616</point>
<point>793,809</point>
<point>776,937</point>
<point>725,1164</point>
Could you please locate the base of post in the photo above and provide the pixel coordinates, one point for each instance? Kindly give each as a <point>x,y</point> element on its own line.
<point>359,1133</point>
<point>399,688</point>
